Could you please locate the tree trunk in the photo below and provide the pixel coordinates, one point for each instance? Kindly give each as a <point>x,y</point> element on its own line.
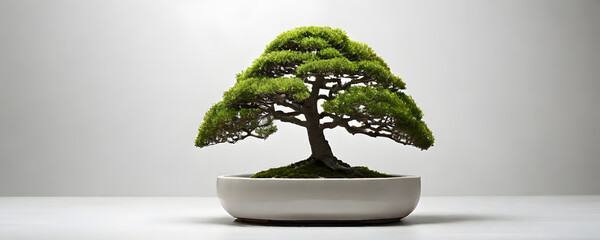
<point>321,151</point>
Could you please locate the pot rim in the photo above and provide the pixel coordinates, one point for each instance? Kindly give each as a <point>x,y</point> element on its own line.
<point>247,177</point>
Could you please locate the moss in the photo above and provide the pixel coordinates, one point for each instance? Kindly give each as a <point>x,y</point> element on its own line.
<point>304,169</point>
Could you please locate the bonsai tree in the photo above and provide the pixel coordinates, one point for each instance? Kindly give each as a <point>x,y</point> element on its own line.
<point>308,67</point>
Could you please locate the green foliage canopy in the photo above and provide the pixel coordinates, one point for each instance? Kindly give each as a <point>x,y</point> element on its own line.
<point>362,95</point>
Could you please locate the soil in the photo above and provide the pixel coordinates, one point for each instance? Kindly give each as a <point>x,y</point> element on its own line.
<point>316,169</point>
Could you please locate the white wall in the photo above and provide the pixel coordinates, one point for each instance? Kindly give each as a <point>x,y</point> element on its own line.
<point>105,97</point>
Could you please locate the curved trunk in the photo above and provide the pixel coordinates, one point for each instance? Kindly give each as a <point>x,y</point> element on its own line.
<point>319,146</point>
<point>321,151</point>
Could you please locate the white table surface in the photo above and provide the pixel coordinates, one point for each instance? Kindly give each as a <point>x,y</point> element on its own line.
<point>539,217</point>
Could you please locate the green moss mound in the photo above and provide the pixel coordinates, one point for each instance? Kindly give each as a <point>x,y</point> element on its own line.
<point>311,169</point>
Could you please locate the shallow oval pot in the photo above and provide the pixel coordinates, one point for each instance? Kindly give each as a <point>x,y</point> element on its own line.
<point>318,199</point>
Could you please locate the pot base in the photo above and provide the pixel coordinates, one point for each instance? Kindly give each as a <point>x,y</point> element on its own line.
<point>317,223</point>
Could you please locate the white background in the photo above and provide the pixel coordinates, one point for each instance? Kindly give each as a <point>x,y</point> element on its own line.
<point>105,97</point>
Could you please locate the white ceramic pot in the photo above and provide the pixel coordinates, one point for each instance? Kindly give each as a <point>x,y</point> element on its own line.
<point>318,199</point>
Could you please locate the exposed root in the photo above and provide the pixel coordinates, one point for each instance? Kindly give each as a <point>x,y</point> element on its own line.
<point>332,163</point>
<point>307,161</point>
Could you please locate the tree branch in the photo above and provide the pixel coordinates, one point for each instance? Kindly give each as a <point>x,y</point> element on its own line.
<point>337,121</point>
<point>332,124</point>
<point>326,97</point>
<point>363,130</point>
<point>284,117</point>
<point>289,114</point>
<point>283,101</point>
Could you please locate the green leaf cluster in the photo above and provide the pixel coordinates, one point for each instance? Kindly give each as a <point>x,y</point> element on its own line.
<point>264,66</point>
<point>256,89</point>
<point>320,50</point>
<point>395,113</point>
<point>306,38</point>
<point>341,66</point>
<point>228,123</point>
